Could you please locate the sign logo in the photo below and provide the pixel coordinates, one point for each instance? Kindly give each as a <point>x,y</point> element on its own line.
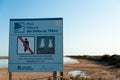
<point>19,27</point>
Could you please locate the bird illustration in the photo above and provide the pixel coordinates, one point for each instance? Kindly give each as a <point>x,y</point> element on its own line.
<point>50,45</point>
<point>42,44</point>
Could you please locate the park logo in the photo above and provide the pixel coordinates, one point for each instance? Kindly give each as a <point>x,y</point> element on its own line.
<point>19,27</point>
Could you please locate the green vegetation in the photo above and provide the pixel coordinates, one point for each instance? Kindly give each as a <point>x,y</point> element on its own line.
<point>106,59</point>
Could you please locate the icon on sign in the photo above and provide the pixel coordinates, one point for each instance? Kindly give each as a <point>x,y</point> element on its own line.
<point>19,27</point>
<point>45,44</point>
<point>25,45</point>
<point>58,23</point>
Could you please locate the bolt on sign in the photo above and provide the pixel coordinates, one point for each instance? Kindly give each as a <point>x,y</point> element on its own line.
<point>36,45</point>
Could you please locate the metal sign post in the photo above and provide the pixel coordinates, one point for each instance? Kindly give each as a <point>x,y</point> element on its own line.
<point>61,75</point>
<point>54,75</point>
<point>10,75</point>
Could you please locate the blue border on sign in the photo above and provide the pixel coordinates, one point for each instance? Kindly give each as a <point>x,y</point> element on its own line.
<point>27,19</point>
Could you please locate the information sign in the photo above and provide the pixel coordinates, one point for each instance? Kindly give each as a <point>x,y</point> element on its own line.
<point>36,45</point>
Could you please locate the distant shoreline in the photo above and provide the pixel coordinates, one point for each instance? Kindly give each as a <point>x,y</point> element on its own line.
<point>3,57</point>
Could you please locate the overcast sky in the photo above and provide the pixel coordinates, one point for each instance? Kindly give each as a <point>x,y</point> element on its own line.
<point>91,27</point>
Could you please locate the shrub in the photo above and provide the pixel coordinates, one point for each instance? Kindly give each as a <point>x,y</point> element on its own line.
<point>105,58</point>
<point>117,65</point>
<point>115,59</point>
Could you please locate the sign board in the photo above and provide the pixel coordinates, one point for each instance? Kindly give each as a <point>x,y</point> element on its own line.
<point>36,45</point>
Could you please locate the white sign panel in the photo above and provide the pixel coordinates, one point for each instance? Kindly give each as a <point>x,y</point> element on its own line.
<point>36,45</point>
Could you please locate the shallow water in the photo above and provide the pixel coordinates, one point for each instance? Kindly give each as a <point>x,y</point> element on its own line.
<point>68,60</point>
<point>3,63</point>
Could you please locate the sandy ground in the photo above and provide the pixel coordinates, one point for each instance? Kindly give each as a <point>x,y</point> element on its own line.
<point>95,70</point>
<point>92,69</point>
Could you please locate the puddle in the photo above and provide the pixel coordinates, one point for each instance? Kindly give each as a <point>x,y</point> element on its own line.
<point>68,60</point>
<point>78,73</point>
